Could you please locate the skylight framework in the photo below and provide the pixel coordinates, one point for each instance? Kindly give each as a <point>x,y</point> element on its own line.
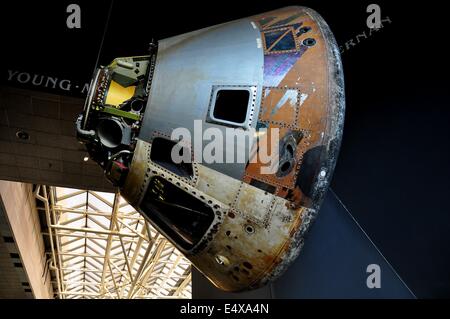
<point>101,247</point>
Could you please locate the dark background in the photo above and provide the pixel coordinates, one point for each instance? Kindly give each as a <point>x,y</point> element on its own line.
<point>393,172</point>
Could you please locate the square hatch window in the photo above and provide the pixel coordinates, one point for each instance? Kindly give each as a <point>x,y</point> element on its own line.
<point>231,105</point>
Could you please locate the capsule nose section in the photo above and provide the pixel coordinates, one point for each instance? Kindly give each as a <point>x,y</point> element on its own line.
<point>276,77</point>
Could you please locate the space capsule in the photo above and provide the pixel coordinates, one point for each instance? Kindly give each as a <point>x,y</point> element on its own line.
<point>280,71</point>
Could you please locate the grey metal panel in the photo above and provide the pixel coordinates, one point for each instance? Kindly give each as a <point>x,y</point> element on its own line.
<point>186,69</point>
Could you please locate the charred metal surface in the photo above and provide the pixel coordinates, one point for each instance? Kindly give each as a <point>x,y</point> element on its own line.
<point>309,170</point>
<point>256,223</point>
<point>139,174</point>
<point>261,185</point>
<point>334,105</point>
